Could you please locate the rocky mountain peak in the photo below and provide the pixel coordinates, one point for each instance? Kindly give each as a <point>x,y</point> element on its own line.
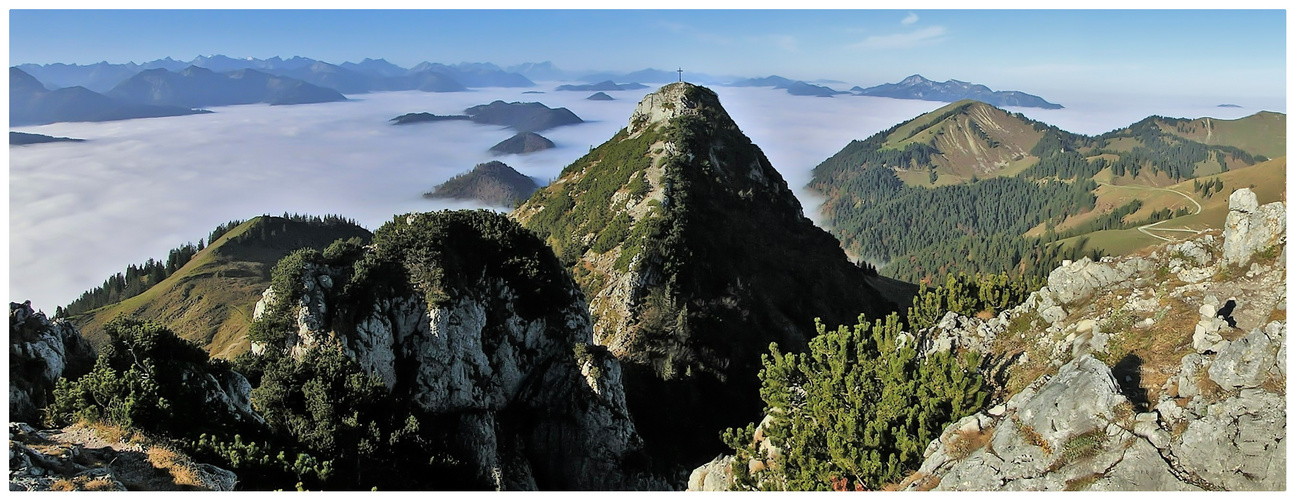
<point>914,80</point>
<point>675,100</point>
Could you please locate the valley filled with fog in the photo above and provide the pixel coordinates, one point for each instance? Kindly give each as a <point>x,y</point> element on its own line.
<point>80,212</point>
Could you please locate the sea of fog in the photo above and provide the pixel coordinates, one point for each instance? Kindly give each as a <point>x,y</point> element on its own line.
<point>79,212</point>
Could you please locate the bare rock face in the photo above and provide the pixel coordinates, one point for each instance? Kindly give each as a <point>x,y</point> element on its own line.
<point>1251,228</point>
<point>536,404</point>
<point>1217,423</point>
<point>83,458</point>
<point>40,352</point>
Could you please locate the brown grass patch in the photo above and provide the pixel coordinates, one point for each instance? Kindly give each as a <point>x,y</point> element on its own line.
<point>1082,483</point>
<point>109,432</point>
<point>1160,347</point>
<point>1275,384</point>
<point>1124,414</point>
<point>916,480</point>
<point>1034,438</point>
<point>964,442</point>
<point>62,485</point>
<point>100,484</point>
<point>1276,315</point>
<point>1210,390</point>
<point>176,464</point>
<point>985,315</point>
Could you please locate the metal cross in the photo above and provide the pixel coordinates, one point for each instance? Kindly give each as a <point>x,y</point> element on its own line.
<point>680,74</point>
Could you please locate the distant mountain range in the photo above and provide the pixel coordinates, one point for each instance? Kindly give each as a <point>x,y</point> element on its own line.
<point>603,86</point>
<point>30,103</point>
<point>198,87</point>
<point>917,87</point>
<point>348,78</point>
<point>793,87</point>
<point>372,75</point>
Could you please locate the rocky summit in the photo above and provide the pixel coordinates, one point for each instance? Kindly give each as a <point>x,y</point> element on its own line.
<point>695,255</point>
<point>466,316</point>
<point>1159,371</point>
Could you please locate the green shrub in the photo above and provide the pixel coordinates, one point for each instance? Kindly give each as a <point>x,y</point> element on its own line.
<point>856,406</point>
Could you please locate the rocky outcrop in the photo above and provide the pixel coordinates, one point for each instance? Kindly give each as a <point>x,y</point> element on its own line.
<point>499,344</point>
<point>1154,372</point>
<point>1250,228</point>
<point>103,458</point>
<point>40,352</point>
<point>1151,381</point>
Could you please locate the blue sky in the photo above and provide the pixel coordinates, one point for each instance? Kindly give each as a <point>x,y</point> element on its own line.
<point>1215,53</point>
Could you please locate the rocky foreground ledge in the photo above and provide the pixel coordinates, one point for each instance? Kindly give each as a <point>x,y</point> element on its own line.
<point>1164,371</point>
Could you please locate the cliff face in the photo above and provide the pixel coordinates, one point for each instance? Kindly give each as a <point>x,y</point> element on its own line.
<point>40,352</point>
<point>468,317</point>
<point>695,255</point>
<point>1163,371</point>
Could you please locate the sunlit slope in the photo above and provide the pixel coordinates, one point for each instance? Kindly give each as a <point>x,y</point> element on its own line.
<point>211,298</point>
<point>1266,179</point>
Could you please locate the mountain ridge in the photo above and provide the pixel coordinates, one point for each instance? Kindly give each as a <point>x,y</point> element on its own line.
<point>917,87</point>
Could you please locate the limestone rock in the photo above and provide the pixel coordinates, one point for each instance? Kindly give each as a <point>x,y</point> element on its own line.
<point>1246,362</point>
<point>1251,228</point>
<point>716,475</point>
<point>1079,279</point>
<point>40,352</point>
<point>535,404</point>
<point>1239,443</point>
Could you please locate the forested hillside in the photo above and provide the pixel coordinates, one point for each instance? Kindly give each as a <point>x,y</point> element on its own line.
<point>959,188</point>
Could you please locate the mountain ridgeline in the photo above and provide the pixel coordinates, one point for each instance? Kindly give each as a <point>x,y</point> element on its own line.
<point>206,293</point>
<point>694,256</point>
<point>30,103</point>
<point>917,87</point>
<point>957,188</point>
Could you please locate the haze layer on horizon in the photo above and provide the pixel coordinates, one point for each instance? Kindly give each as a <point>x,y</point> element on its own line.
<point>1205,53</point>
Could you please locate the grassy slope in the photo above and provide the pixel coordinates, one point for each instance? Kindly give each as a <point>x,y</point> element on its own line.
<point>225,307</point>
<point>1262,133</point>
<point>1268,179</point>
<point>208,301</point>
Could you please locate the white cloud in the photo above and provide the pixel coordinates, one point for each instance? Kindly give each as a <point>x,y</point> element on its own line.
<point>81,212</point>
<point>924,36</point>
<point>909,19</point>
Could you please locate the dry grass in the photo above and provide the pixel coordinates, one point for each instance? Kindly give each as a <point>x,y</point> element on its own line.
<point>1210,390</point>
<point>1160,347</point>
<point>985,315</point>
<point>1275,384</point>
<point>83,483</point>
<point>179,466</point>
<point>1082,483</point>
<point>1276,315</point>
<point>1124,414</point>
<point>1034,438</point>
<point>964,442</point>
<point>100,484</point>
<point>112,433</point>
